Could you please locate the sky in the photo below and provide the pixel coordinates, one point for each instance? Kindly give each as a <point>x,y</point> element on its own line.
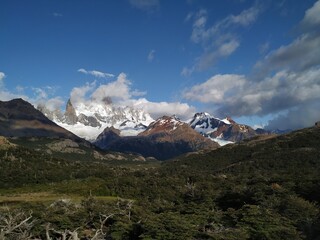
<point>257,62</point>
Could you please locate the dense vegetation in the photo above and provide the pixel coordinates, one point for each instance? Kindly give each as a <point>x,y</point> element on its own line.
<point>254,190</point>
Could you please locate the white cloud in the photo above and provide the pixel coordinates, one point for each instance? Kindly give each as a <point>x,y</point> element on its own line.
<point>187,71</point>
<point>40,93</point>
<point>201,34</point>
<point>285,82</point>
<point>228,48</point>
<point>6,95</point>
<point>245,18</point>
<point>79,94</point>
<point>137,93</point>
<point>235,95</point>
<point>220,40</point>
<point>312,16</point>
<point>121,94</point>
<point>145,5</point>
<point>52,104</point>
<point>216,89</point>
<point>151,55</point>
<point>159,109</point>
<point>302,54</point>
<point>56,14</point>
<point>96,73</point>
<point>118,90</point>
<point>2,76</point>
<point>40,96</point>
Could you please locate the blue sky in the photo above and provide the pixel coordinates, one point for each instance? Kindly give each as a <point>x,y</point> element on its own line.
<point>256,61</point>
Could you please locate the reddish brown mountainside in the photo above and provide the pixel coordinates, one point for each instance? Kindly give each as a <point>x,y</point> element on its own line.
<point>165,138</point>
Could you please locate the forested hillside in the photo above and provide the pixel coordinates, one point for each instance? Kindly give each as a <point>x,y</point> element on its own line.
<point>260,189</point>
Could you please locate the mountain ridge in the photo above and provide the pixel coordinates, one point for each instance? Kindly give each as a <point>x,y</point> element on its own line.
<point>19,118</point>
<point>223,130</point>
<point>89,119</point>
<point>165,138</point>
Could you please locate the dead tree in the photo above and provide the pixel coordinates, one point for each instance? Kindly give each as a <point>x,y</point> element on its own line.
<point>191,187</point>
<point>16,225</point>
<point>64,235</point>
<point>124,207</point>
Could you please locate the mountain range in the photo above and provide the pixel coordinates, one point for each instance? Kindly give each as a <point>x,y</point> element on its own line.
<point>266,187</point>
<point>165,138</point>
<point>89,119</point>
<point>122,129</point>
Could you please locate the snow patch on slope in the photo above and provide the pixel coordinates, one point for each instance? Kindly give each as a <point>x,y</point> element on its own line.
<point>221,141</point>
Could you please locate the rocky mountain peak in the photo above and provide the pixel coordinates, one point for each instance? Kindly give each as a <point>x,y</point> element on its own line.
<point>164,124</point>
<point>107,100</point>
<point>88,119</point>
<point>70,114</point>
<point>230,120</point>
<point>222,131</point>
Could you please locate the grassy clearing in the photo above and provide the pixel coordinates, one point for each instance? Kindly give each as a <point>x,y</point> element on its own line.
<point>47,197</point>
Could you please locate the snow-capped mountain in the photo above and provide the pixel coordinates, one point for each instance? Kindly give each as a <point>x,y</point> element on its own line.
<point>223,131</point>
<point>164,124</point>
<point>165,138</point>
<point>88,120</point>
<point>172,129</point>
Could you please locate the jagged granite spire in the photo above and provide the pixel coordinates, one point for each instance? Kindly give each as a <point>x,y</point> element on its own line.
<point>70,114</point>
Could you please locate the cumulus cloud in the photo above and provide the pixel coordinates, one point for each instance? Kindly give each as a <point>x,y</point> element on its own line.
<point>96,73</point>
<point>151,55</point>
<point>122,94</point>
<point>302,54</point>
<point>312,17</point>
<point>286,81</point>
<point>219,40</point>
<point>55,103</point>
<point>145,5</point>
<point>159,109</point>
<point>237,96</point>
<point>6,95</point>
<point>216,89</point>
<point>118,90</point>
<point>79,94</point>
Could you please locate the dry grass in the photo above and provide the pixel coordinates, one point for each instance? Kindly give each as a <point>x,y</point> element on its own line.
<point>46,197</point>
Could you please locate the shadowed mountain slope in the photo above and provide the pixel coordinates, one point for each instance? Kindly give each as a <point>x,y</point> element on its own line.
<point>18,118</point>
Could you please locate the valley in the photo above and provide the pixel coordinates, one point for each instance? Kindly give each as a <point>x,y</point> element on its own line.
<point>264,188</point>
<point>160,120</point>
